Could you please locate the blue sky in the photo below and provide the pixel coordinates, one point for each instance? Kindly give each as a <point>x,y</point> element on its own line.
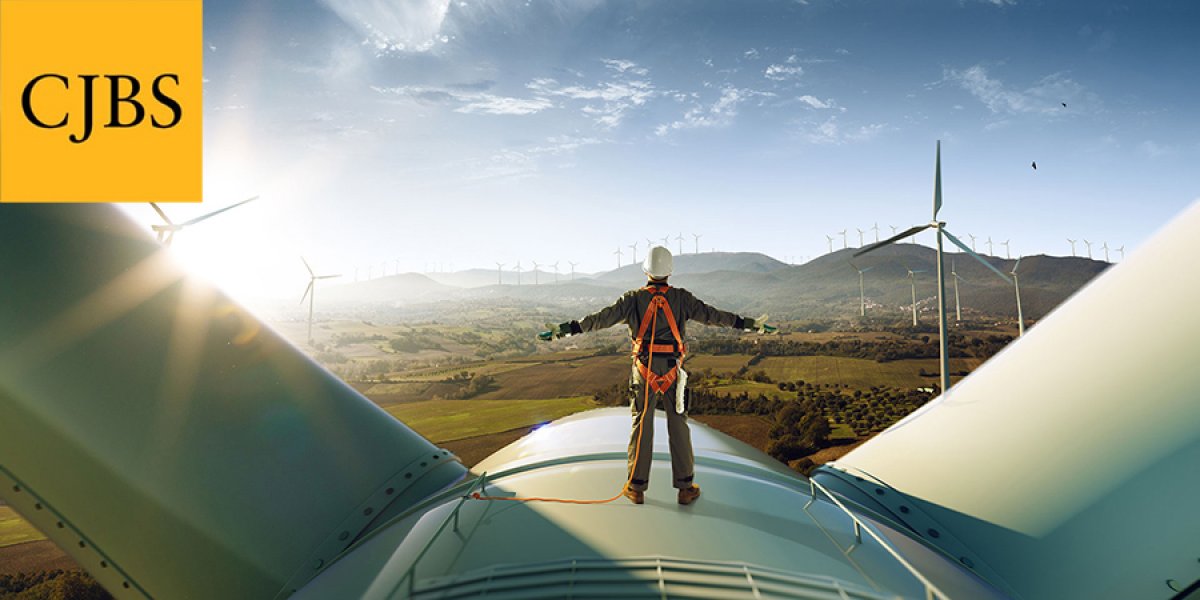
<point>464,133</point>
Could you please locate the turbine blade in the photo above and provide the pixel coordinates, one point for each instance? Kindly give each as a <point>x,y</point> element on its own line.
<point>310,271</point>
<point>878,245</point>
<point>306,291</point>
<point>1017,265</point>
<point>937,182</point>
<point>328,276</point>
<point>161,213</point>
<point>217,212</point>
<point>977,257</point>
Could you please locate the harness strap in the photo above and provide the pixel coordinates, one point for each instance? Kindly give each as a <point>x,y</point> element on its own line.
<point>659,302</point>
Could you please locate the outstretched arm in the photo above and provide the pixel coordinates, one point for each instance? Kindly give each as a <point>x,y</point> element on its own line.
<point>699,311</point>
<point>604,318</point>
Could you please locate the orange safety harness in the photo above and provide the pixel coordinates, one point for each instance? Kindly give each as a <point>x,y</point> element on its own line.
<point>651,319</point>
<point>654,381</point>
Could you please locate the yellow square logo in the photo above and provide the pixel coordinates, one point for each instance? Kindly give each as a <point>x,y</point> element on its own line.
<point>100,100</point>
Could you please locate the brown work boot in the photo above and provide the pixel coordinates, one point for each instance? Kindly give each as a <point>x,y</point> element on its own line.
<point>689,495</point>
<point>635,496</point>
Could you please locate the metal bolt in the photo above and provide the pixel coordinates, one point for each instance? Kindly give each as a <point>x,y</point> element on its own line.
<point>933,533</point>
<point>367,511</point>
<point>879,491</point>
<point>966,561</point>
<point>904,509</point>
<point>390,491</point>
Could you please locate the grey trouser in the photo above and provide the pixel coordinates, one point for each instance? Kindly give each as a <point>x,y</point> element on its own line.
<point>680,437</point>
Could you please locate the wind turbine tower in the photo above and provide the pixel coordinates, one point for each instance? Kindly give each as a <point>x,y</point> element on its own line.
<point>310,293</point>
<point>989,243</point>
<point>1105,248</point>
<point>875,228</point>
<point>555,266</point>
<point>912,280</point>
<point>860,236</point>
<point>572,269</point>
<point>518,270</point>
<point>972,240</point>
<point>957,305</point>
<point>618,253</point>
<point>941,231</point>
<point>1007,254</point>
<point>1122,251</point>
<point>697,236</point>
<point>535,271</point>
<point>1072,242</point>
<point>679,239</point>
<point>633,247</point>
<point>862,293</point>
<point>843,234</point>
<point>1089,247</point>
<point>499,273</point>
<point>1017,288</point>
<point>830,238</point>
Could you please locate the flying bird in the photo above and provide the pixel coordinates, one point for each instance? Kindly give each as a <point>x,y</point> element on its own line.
<point>1064,104</point>
<point>1034,165</point>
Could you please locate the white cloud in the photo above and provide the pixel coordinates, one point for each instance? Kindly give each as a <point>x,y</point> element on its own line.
<point>751,54</point>
<point>469,101</point>
<point>502,105</point>
<point>718,114</point>
<point>607,102</point>
<point>1152,149</point>
<point>831,132</point>
<point>819,104</point>
<point>782,72</point>
<point>1001,2</point>
<point>1043,98</point>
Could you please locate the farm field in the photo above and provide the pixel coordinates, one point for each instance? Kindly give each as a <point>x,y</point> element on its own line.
<point>15,530</point>
<point>444,420</point>
<point>858,373</point>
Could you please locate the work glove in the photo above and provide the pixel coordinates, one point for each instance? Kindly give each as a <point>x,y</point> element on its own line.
<point>760,325</point>
<point>556,331</point>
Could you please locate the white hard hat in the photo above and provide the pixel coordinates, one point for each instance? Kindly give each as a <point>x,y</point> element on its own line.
<point>658,263</point>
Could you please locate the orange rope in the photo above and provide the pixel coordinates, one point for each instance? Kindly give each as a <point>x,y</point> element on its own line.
<point>636,450</point>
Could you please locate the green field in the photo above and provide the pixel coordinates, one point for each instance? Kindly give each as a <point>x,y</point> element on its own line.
<point>858,373</point>
<point>723,363</point>
<point>15,530</point>
<point>752,388</point>
<point>444,420</point>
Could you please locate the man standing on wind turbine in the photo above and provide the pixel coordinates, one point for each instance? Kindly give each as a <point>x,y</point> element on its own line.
<point>656,315</point>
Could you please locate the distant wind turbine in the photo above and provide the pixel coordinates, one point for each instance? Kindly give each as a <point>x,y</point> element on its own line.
<point>1089,247</point>
<point>1122,251</point>
<point>941,231</point>
<point>499,273</point>
<point>860,237</point>
<point>697,236</point>
<point>572,269</point>
<point>875,228</point>
<point>1007,254</point>
<point>311,293</point>
<point>957,305</point>
<point>862,291</point>
<point>166,233</point>
<point>666,241</point>
<point>1072,242</point>
<point>618,253</point>
<point>894,229</point>
<point>989,243</point>
<point>680,240</point>
<point>633,247</point>
<point>649,245</point>
<point>1017,288</point>
<point>1105,248</point>
<point>912,280</point>
<point>518,270</point>
<point>535,271</point>
<point>830,238</point>
<point>972,241</point>
<point>843,234</point>
<point>555,267</point>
